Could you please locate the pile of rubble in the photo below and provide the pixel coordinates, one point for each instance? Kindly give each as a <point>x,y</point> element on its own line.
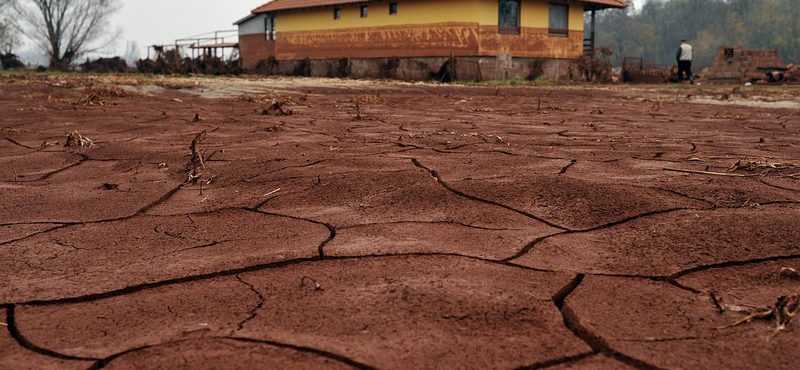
<point>736,65</point>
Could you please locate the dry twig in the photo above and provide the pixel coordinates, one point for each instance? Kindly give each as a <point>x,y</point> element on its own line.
<point>196,161</point>
<point>709,173</point>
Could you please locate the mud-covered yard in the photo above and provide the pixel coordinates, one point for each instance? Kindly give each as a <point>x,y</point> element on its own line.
<point>330,224</point>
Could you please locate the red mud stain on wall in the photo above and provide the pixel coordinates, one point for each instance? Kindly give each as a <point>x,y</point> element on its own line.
<point>374,42</point>
<point>531,43</point>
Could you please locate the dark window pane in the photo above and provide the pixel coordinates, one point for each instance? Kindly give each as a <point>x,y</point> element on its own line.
<point>559,14</point>
<point>363,12</point>
<point>393,9</point>
<point>509,13</point>
<point>337,13</point>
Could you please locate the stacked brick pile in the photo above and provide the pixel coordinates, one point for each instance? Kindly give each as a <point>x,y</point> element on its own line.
<point>793,72</point>
<point>735,65</point>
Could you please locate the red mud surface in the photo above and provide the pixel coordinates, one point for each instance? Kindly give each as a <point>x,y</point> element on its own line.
<point>447,227</point>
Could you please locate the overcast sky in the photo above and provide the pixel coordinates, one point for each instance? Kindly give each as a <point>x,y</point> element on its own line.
<point>155,22</point>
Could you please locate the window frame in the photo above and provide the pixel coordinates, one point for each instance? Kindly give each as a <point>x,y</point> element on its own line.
<point>392,8</point>
<point>510,30</point>
<point>364,11</point>
<point>337,14</point>
<point>269,27</point>
<point>557,32</point>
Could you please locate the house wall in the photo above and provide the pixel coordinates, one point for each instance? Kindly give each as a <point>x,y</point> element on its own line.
<point>253,25</point>
<point>409,12</point>
<point>422,28</point>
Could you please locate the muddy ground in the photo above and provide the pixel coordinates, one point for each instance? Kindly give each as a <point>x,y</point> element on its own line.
<point>376,225</point>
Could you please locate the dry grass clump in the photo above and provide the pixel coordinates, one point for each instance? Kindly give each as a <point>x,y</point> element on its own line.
<point>783,312</point>
<point>756,164</point>
<point>368,99</point>
<point>77,140</point>
<point>99,95</point>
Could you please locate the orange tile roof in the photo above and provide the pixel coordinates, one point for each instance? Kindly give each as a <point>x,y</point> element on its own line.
<point>276,5</point>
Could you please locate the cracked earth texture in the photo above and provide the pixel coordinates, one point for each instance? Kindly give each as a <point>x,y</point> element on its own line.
<point>448,228</point>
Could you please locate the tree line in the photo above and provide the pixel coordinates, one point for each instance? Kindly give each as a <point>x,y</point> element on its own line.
<point>654,31</point>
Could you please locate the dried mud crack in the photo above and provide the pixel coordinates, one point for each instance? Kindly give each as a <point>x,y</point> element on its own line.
<point>519,239</point>
<point>598,344</point>
<point>440,181</point>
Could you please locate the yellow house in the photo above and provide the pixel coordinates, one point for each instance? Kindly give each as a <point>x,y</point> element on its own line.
<point>491,32</point>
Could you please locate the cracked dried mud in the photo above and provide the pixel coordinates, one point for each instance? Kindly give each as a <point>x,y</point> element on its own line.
<point>450,227</point>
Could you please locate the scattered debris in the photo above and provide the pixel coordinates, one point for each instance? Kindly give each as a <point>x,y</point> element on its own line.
<point>635,70</point>
<point>783,312</point>
<point>753,164</point>
<point>368,99</point>
<point>316,283</point>
<point>657,105</point>
<point>78,140</point>
<point>275,108</point>
<point>196,161</point>
<point>99,95</point>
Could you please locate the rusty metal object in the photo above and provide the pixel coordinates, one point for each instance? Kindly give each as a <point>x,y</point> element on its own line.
<point>635,70</point>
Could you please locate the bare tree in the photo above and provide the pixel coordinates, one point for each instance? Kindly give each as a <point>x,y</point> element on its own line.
<point>67,29</point>
<point>9,36</point>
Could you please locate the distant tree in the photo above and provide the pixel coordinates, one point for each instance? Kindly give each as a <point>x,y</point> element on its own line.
<point>9,34</point>
<point>67,29</point>
<point>654,31</point>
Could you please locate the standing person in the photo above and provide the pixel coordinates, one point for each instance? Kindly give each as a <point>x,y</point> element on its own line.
<point>684,58</point>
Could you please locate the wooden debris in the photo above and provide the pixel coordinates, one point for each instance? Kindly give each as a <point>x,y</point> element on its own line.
<point>78,140</point>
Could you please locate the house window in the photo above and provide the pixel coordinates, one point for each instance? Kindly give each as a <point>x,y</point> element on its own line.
<point>269,27</point>
<point>392,8</point>
<point>559,19</point>
<point>509,16</point>
<point>337,13</point>
<point>364,11</point>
